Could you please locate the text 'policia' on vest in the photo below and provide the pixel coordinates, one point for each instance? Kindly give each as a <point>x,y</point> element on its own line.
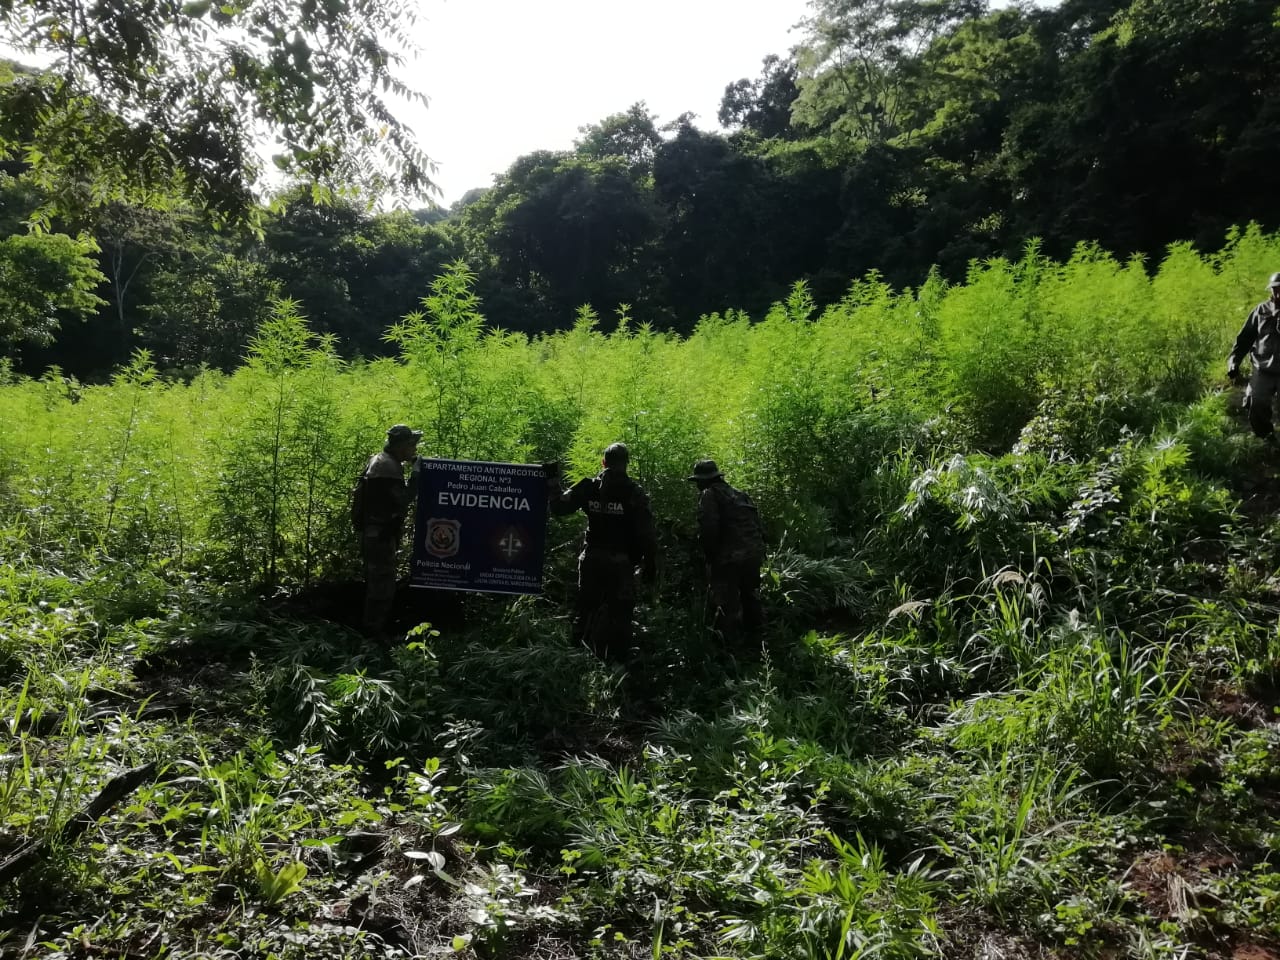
<point>620,535</point>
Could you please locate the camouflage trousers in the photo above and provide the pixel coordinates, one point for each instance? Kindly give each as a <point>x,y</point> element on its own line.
<point>733,588</point>
<point>378,547</point>
<point>606,601</point>
<point>1259,397</point>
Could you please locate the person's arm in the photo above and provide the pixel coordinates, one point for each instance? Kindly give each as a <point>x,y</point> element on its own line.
<point>709,523</point>
<point>646,534</point>
<point>567,501</point>
<point>411,487</point>
<point>404,493</point>
<point>759,519</point>
<point>1244,343</point>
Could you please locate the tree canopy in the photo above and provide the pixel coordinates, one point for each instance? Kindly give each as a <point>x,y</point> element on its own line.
<point>139,100</point>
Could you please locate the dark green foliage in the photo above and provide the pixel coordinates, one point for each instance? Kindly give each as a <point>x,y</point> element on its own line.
<point>143,100</point>
<point>44,278</point>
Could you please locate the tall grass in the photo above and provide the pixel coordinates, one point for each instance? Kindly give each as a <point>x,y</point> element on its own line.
<point>803,408</point>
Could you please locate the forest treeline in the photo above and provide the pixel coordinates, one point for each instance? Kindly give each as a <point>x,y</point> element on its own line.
<point>897,136</point>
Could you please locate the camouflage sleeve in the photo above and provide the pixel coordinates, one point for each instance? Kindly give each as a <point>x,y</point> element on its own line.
<point>709,523</point>
<point>1244,340</point>
<point>384,500</point>
<point>571,500</point>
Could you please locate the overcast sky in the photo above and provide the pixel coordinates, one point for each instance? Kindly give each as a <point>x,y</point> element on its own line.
<point>507,77</point>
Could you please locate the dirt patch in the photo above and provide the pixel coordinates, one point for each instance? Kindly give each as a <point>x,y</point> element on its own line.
<point>1240,707</point>
<point>1176,887</point>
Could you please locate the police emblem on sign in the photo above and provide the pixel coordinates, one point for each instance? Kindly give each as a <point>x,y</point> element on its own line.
<point>443,537</point>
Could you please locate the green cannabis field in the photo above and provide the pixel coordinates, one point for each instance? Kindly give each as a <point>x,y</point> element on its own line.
<point>1018,695</point>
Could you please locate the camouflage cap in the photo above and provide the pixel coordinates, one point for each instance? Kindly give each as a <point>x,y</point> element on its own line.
<point>401,433</point>
<point>1274,281</point>
<point>705,470</point>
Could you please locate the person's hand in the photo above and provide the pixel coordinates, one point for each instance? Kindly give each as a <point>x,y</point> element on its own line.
<point>1233,373</point>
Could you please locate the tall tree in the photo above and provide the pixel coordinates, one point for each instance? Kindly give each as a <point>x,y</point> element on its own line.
<point>353,274</point>
<point>559,230</point>
<point>763,105</point>
<point>740,228</point>
<point>862,60</point>
<point>43,278</point>
<point>132,237</point>
<point>205,308</point>
<point>140,97</point>
<point>631,136</point>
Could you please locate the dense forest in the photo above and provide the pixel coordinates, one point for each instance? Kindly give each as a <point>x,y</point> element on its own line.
<point>898,136</point>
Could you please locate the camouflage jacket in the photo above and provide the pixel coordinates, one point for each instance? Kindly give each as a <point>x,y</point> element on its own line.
<point>729,527</point>
<point>388,496</point>
<point>1260,338</point>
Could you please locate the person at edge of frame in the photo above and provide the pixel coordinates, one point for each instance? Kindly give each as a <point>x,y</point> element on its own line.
<point>388,496</point>
<point>620,536</point>
<point>731,536</point>
<point>1259,338</point>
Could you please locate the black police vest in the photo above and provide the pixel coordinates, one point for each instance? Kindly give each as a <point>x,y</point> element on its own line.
<point>610,516</point>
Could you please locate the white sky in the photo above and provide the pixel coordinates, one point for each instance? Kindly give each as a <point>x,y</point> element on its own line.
<point>507,77</point>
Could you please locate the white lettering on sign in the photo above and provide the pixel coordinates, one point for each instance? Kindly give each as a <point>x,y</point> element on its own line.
<point>483,501</point>
<point>480,470</point>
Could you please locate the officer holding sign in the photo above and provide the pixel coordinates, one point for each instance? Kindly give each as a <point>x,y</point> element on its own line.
<point>620,536</point>
<point>383,506</point>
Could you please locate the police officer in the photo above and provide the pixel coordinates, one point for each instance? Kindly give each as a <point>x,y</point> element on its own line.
<point>1260,338</point>
<point>732,540</point>
<point>620,536</point>
<point>387,499</point>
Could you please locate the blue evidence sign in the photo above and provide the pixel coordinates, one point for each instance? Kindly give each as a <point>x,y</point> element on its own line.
<point>481,527</point>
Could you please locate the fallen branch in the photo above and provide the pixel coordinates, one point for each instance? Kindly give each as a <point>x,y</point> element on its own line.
<point>31,852</point>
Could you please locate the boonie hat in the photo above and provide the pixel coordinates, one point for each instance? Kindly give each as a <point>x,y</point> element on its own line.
<point>705,470</point>
<point>400,433</point>
<point>1274,281</point>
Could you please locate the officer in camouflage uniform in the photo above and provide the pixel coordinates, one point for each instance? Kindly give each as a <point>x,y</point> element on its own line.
<point>388,498</point>
<point>620,536</point>
<point>732,540</point>
<point>1260,338</point>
